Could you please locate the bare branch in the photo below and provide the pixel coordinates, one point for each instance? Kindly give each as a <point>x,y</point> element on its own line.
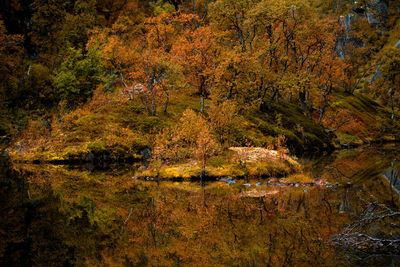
<point>356,238</point>
<point>338,127</point>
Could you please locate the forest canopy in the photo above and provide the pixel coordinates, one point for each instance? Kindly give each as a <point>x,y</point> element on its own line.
<point>255,71</point>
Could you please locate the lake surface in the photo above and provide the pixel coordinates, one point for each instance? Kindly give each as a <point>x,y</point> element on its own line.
<point>83,216</point>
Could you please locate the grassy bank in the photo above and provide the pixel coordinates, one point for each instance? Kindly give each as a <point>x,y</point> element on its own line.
<point>111,124</point>
<point>112,128</point>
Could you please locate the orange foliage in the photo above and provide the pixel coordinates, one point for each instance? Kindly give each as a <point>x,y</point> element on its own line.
<point>196,51</point>
<point>191,137</point>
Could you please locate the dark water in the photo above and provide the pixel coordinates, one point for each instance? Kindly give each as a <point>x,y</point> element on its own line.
<point>80,216</point>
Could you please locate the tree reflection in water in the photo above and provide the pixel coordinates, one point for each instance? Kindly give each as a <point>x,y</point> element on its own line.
<point>74,216</point>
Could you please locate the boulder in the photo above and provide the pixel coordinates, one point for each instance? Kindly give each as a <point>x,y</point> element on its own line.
<point>145,153</point>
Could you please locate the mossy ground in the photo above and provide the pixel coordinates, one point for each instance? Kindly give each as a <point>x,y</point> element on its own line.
<point>113,125</point>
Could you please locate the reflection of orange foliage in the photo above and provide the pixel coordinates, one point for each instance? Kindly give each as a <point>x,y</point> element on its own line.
<point>344,168</point>
<point>356,127</point>
<point>144,221</point>
<point>350,123</point>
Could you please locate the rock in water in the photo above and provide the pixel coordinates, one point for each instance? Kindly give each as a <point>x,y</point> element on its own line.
<point>145,153</point>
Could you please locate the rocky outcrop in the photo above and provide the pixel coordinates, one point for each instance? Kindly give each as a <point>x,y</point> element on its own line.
<point>254,154</point>
<point>377,13</point>
<point>346,22</point>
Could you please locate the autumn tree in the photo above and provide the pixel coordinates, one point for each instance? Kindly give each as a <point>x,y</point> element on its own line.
<point>115,37</point>
<point>195,133</point>
<point>329,77</point>
<point>296,42</point>
<point>191,137</point>
<point>165,149</point>
<point>231,17</point>
<point>205,144</point>
<point>161,6</point>
<point>11,50</point>
<point>110,11</point>
<point>153,68</point>
<point>240,72</point>
<point>278,48</point>
<point>224,121</point>
<point>196,52</point>
<point>200,8</point>
<point>37,90</point>
<point>138,54</point>
<point>241,77</point>
<point>185,131</point>
<point>114,44</point>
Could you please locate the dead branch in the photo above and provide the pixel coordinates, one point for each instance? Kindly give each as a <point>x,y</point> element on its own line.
<point>126,220</point>
<point>338,126</point>
<point>357,237</point>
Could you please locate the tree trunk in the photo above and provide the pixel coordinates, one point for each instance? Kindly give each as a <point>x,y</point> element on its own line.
<point>260,88</point>
<point>309,106</point>
<point>302,98</point>
<point>321,114</point>
<point>203,169</point>
<point>166,104</point>
<point>202,104</point>
<point>391,101</point>
<point>272,98</point>
<point>152,108</point>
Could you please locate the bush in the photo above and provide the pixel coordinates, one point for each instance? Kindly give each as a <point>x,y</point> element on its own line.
<point>78,75</point>
<point>216,161</point>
